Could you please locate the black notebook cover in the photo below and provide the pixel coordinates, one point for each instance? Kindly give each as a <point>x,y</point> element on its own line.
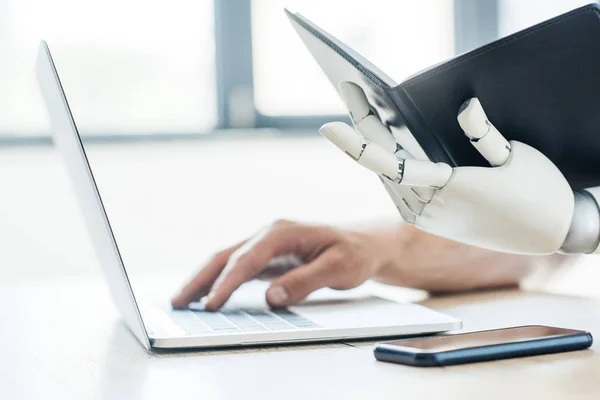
<point>540,86</point>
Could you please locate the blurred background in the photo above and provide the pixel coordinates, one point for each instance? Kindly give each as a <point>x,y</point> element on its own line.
<point>201,117</point>
<point>197,67</point>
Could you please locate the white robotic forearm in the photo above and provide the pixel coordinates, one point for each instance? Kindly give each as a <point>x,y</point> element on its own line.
<point>584,233</point>
<point>521,204</point>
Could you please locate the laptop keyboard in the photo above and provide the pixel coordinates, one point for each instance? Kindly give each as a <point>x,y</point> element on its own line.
<point>197,322</point>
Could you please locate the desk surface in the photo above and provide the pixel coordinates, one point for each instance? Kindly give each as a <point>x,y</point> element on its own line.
<point>62,337</point>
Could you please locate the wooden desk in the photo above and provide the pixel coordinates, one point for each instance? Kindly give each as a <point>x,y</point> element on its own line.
<point>62,337</point>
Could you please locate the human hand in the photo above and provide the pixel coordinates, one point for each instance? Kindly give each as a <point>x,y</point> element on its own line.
<point>397,254</point>
<point>522,204</point>
<point>298,258</point>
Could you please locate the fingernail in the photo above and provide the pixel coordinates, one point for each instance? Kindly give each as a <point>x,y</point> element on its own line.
<point>176,303</point>
<point>209,299</point>
<point>277,295</point>
<point>210,296</point>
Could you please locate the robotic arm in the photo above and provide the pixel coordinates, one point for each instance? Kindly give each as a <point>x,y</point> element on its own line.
<point>521,204</point>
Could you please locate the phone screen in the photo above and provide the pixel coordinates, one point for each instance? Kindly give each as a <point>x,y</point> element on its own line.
<point>483,338</point>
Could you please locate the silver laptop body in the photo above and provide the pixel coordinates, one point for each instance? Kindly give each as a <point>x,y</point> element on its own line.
<point>246,320</point>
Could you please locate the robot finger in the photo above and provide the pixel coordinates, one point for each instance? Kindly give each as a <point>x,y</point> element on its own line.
<point>366,122</point>
<point>375,157</point>
<point>483,135</point>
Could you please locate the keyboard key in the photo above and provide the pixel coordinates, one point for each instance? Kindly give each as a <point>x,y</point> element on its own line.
<point>214,320</point>
<point>281,327</point>
<point>242,320</point>
<point>265,318</point>
<point>220,324</point>
<point>283,313</point>
<point>227,330</point>
<point>253,311</point>
<point>293,318</point>
<point>209,317</point>
<point>185,318</point>
<point>304,324</point>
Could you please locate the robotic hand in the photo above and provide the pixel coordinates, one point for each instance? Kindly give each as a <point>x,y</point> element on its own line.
<point>522,204</point>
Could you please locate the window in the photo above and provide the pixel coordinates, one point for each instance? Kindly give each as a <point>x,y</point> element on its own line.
<point>514,15</point>
<point>399,37</point>
<point>133,66</point>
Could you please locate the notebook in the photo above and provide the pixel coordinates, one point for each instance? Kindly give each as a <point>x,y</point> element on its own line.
<point>539,86</point>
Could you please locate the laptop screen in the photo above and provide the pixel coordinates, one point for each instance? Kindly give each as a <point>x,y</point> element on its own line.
<point>67,141</point>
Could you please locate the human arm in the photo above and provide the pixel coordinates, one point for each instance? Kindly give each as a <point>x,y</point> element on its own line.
<point>300,258</point>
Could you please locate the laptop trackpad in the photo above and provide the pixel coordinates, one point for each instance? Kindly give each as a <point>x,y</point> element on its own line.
<point>365,311</point>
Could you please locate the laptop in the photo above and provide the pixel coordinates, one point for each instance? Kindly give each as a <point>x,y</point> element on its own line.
<point>246,319</point>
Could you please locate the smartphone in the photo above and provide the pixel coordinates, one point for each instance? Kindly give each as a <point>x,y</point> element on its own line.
<point>520,341</point>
